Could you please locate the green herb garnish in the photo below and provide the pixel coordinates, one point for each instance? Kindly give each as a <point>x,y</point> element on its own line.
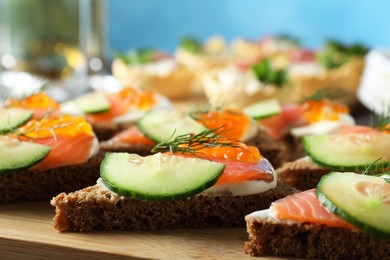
<point>381,121</point>
<point>140,56</point>
<point>268,75</point>
<point>378,170</point>
<point>191,44</point>
<point>191,143</point>
<point>336,54</point>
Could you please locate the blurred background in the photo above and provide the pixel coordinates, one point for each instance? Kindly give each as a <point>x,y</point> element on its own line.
<point>67,42</point>
<point>161,24</point>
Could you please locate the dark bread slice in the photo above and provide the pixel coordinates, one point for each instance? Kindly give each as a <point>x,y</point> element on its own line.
<point>303,174</point>
<point>105,131</point>
<point>271,237</point>
<point>97,208</point>
<point>38,185</point>
<point>115,146</point>
<point>279,151</point>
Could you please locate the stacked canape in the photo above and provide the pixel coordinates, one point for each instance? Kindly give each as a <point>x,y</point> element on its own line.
<point>112,112</point>
<point>350,148</point>
<point>38,155</point>
<point>194,180</point>
<point>345,217</point>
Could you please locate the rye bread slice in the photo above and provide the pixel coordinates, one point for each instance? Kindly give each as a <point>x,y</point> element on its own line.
<point>272,237</point>
<point>95,208</point>
<point>105,131</point>
<point>36,185</point>
<point>303,174</point>
<point>280,151</point>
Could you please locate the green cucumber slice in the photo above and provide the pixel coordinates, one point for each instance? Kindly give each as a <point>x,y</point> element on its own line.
<point>17,155</point>
<point>362,200</point>
<point>349,152</point>
<point>163,124</point>
<point>158,177</point>
<point>11,118</point>
<point>92,103</point>
<point>263,109</point>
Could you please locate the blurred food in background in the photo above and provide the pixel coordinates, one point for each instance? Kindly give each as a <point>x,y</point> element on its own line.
<point>155,70</point>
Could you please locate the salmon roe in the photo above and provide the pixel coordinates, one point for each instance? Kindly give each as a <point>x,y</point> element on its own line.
<point>62,125</point>
<point>40,100</point>
<point>233,125</point>
<point>249,154</point>
<point>131,97</point>
<point>315,111</point>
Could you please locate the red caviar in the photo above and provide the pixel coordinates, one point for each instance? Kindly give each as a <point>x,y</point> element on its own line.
<point>315,111</point>
<point>132,135</point>
<point>233,124</point>
<point>41,103</point>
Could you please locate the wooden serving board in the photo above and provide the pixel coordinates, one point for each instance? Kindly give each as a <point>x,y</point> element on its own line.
<point>26,231</point>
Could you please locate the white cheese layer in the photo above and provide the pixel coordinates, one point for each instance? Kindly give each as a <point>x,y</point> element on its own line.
<point>324,126</point>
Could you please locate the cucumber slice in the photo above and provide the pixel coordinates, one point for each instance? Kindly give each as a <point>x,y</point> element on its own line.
<point>92,103</point>
<point>263,109</point>
<point>20,155</point>
<point>163,124</point>
<point>361,200</point>
<point>158,177</point>
<point>349,151</point>
<point>11,118</point>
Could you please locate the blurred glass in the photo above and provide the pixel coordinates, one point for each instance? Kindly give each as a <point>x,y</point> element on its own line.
<point>60,40</point>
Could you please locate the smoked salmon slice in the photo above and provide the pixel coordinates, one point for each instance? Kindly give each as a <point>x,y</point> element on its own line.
<point>132,135</point>
<point>279,125</point>
<point>242,163</point>
<point>304,207</point>
<point>236,172</point>
<point>71,139</point>
<point>309,112</point>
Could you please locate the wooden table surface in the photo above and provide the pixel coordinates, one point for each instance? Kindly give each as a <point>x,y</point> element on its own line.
<point>27,232</point>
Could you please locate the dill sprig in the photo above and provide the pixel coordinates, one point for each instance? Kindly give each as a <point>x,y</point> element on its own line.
<point>381,121</point>
<point>379,170</point>
<point>192,143</point>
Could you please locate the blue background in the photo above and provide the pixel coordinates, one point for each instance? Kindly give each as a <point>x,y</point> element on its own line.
<point>161,23</point>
